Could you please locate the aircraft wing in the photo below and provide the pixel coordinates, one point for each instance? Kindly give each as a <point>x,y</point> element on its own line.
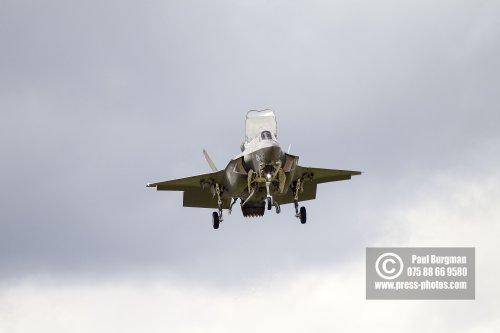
<point>309,193</point>
<point>312,177</point>
<point>195,194</point>
<point>319,175</point>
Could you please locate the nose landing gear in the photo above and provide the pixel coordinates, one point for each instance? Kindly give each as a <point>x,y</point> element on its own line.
<point>269,198</point>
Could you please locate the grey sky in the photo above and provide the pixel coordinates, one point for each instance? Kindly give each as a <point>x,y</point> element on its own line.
<point>97,98</point>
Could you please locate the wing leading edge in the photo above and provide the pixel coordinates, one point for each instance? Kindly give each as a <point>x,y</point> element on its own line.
<point>188,183</point>
<point>196,189</point>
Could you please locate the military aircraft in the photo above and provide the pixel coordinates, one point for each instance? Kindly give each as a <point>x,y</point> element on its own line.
<point>262,174</point>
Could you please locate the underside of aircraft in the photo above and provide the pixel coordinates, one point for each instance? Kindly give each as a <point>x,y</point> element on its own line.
<point>261,176</point>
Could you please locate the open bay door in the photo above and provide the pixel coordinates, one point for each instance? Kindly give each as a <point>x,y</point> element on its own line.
<point>258,121</point>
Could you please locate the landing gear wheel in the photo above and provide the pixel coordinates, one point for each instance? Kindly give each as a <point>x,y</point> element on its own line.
<point>278,208</point>
<point>269,204</point>
<point>215,220</point>
<point>303,215</point>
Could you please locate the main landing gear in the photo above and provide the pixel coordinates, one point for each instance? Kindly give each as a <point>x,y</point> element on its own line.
<point>300,214</point>
<point>217,216</point>
<point>215,220</point>
<point>258,209</point>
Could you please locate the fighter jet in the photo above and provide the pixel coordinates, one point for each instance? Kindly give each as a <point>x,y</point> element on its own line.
<point>262,175</point>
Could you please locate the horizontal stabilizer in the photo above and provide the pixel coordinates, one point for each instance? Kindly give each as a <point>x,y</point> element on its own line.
<point>202,198</point>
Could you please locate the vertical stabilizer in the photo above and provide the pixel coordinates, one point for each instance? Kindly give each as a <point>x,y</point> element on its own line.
<point>210,162</point>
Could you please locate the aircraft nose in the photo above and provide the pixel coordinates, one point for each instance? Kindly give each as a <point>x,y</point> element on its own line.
<point>272,154</point>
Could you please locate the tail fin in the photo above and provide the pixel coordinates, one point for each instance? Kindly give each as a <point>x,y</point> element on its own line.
<point>209,160</point>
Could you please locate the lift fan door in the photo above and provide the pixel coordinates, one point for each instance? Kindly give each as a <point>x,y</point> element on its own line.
<point>258,121</point>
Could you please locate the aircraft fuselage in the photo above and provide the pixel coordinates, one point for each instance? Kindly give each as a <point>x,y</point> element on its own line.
<point>261,175</point>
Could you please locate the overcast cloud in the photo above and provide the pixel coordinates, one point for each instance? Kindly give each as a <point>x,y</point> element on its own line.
<point>97,98</point>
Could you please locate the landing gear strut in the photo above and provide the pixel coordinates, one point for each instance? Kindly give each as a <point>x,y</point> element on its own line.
<point>217,216</point>
<point>302,214</point>
<point>278,208</point>
<point>269,198</point>
<point>232,204</point>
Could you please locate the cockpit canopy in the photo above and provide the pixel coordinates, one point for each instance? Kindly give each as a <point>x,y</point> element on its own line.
<point>266,135</point>
<point>258,122</point>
